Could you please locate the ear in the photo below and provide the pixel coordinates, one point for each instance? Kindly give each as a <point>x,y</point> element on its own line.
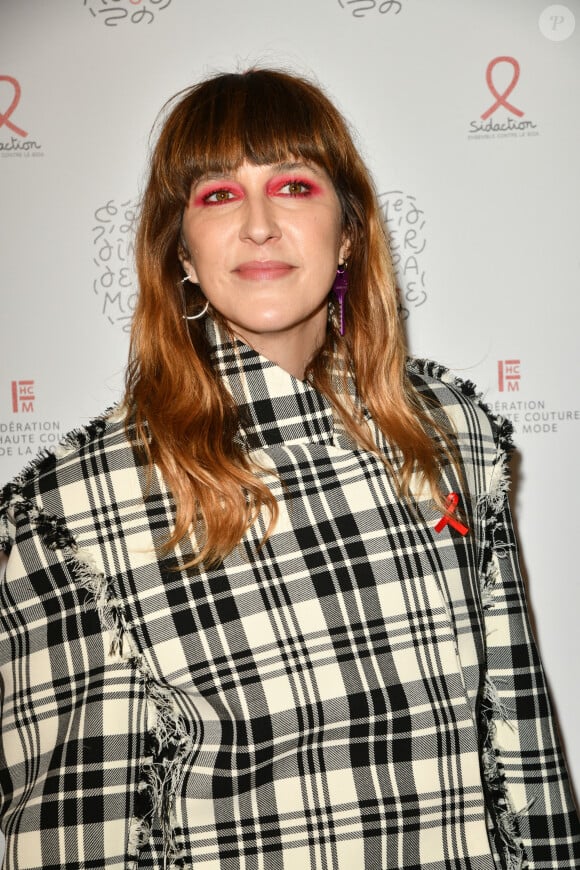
<point>188,266</point>
<point>344,251</point>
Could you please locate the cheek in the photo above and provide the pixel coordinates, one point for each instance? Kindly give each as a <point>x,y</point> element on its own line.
<point>201,245</point>
<point>321,233</point>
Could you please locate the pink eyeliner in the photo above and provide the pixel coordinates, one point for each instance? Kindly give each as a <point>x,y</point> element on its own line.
<point>273,187</point>
<point>201,195</point>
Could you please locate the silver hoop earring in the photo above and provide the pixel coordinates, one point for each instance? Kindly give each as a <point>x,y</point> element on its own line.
<point>196,316</point>
<point>203,310</point>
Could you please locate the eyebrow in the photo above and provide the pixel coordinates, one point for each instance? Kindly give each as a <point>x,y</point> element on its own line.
<point>294,165</point>
<point>286,166</point>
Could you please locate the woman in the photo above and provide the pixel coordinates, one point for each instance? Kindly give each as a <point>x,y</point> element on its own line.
<point>269,613</point>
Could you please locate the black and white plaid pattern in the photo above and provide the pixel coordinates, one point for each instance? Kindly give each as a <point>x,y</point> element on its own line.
<point>360,692</point>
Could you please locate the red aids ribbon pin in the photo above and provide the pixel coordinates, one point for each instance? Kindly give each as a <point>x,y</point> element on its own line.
<point>501,99</point>
<point>15,100</point>
<point>451,505</point>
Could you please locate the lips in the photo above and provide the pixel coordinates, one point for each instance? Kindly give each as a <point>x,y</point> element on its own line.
<point>263,270</point>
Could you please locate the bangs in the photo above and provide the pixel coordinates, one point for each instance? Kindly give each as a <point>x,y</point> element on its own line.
<point>263,117</point>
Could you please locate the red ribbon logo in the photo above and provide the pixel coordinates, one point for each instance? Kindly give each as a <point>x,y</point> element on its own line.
<point>451,506</point>
<point>15,100</point>
<point>501,99</point>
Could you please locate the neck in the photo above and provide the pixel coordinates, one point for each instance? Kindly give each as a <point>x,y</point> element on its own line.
<point>291,349</point>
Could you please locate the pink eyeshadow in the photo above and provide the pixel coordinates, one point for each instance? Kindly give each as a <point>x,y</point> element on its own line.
<point>208,189</point>
<point>277,183</point>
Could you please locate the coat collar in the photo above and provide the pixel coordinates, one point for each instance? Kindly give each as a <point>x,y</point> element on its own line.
<point>274,406</point>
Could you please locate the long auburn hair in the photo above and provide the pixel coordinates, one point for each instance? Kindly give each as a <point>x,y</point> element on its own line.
<point>183,416</point>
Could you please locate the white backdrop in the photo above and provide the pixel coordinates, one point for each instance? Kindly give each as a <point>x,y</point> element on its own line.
<point>483,212</point>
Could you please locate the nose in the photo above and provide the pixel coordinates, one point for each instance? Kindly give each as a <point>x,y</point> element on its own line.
<point>259,223</point>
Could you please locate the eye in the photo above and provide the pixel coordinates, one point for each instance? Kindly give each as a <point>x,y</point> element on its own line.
<point>218,193</point>
<point>217,196</point>
<point>295,187</point>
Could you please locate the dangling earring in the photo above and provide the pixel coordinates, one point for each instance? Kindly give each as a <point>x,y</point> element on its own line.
<point>339,288</point>
<point>203,310</point>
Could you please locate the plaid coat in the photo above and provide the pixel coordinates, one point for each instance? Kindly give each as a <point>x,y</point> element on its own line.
<point>362,692</point>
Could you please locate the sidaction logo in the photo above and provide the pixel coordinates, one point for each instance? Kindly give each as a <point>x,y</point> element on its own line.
<point>502,118</point>
<point>362,8</point>
<point>115,12</point>
<point>14,140</point>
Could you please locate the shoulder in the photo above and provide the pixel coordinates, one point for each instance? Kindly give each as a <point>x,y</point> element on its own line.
<point>87,458</point>
<point>459,401</point>
<point>484,439</point>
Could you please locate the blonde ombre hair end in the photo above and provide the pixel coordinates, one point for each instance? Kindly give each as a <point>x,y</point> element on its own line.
<point>184,418</point>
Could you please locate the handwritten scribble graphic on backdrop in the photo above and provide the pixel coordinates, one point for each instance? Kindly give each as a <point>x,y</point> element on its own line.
<point>114,12</point>
<point>405,224</point>
<point>113,249</point>
<point>361,8</point>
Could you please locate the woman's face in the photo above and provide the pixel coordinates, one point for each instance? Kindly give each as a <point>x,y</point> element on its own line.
<point>264,244</point>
